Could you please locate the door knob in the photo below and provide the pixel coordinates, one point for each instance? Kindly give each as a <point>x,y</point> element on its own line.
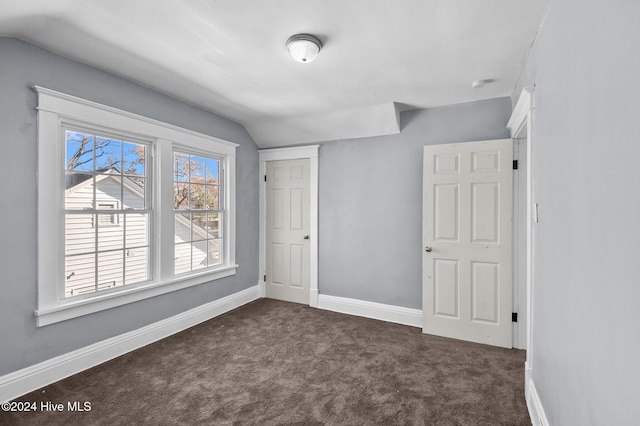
<point>306,236</point>
<point>428,249</point>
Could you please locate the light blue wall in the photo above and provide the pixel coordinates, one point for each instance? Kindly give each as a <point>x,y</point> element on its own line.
<point>586,328</point>
<point>370,202</point>
<point>22,66</point>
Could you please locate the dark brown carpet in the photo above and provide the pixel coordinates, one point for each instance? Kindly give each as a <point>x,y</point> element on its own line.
<point>272,363</point>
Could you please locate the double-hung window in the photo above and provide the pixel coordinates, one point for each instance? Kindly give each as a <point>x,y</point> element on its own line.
<point>198,212</point>
<point>128,207</point>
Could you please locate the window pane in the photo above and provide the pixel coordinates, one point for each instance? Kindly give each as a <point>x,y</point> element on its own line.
<point>80,234</point>
<point>198,226</point>
<point>183,227</point>
<point>110,232</point>
<point>215,256</point>
<point>213,225</point>
<point>199,253</point>
<point>134,195</point>
<point>134,159</point>
<point>183,258</point>
<point>212,170</point>
<point>196,169</point>
<point>108,190</point>
<point>80,274</point>
<point>198,196</point>
<point>79,151</point>
<point>212,192</point>
<point>181,195</point>
<point>181,167</point>
<point>135,265</point>
<point>110,269</point>
<point>136,229</point>
<point>108,154</point>
<point>78,194</point>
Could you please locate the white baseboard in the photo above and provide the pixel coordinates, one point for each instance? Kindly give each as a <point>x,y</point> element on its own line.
<point>373,310</point>
<point>536,410</point>
<point>28,379</point>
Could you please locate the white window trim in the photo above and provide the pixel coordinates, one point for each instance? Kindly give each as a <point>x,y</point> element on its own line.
<point>54,109</point>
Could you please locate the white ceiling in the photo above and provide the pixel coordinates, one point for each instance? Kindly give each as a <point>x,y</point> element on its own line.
<point>229,56</point>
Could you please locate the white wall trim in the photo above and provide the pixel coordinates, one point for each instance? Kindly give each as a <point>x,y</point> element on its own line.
<point>521,126</point>
<point>536,410</point>
<point>373,310</point>
<point>28,379</point>
<point>299,152</point>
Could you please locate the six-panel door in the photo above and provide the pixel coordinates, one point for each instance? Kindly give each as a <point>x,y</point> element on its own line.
<point>287,233</point>
<point>467,281</point>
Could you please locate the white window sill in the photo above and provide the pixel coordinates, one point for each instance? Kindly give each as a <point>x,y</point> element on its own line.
<point>74,309</point>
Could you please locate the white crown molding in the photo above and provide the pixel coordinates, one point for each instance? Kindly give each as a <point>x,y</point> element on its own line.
<point>373,310</point>
<point>28,379</point>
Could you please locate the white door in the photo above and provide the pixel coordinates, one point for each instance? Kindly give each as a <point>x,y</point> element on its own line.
<point>467,279</point>
<point>287,233</point>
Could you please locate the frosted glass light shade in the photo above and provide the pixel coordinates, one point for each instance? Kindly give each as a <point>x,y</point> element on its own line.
<point>304,47</point>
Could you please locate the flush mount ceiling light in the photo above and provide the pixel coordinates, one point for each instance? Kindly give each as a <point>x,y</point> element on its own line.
<point>304,47</point>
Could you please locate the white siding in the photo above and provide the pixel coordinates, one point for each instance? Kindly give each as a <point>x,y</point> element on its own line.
<point>118,261</point>
<point>193,255</point>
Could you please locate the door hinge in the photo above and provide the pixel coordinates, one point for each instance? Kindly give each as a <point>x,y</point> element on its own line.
<point>514,317</point>
<point>265,278</point>
<point>515,164</point>
<point>265,178</point>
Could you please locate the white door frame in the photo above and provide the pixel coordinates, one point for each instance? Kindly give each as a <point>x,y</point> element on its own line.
<point>294,153</point>
<point>521,126</point>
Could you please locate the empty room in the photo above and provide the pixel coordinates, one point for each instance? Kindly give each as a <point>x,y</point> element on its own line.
<point>422,212</point>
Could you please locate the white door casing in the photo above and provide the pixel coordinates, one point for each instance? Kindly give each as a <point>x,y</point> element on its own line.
<point>310,152</point>
<point>467,239</point>
<point>287,230</point>
<point>521,126</point>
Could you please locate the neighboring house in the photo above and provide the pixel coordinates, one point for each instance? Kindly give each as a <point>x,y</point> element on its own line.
<point>121,233</point>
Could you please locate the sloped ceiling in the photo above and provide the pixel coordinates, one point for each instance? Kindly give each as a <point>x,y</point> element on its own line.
<point>229,56</point>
